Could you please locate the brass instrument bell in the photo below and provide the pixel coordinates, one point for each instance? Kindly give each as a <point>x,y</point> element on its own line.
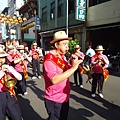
<point>10,82</point>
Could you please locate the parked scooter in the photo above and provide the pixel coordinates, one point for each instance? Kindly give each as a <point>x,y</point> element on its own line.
<point>114,62</point>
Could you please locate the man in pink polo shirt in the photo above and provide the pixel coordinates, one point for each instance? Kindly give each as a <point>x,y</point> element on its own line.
<point>56,75</point>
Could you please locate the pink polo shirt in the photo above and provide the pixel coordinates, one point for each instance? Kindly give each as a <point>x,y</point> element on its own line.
<point>9,57</point>
<point>11,72</point>
<point>18,67</point>
<point>97,68</point>
<point>59,92</point>
<point>79,54</point>
<point>32,54</point>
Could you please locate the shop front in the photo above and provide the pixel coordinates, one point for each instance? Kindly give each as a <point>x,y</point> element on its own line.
<point>108,36</point>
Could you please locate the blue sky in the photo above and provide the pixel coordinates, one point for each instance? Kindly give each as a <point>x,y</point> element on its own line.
<point>3,4</point>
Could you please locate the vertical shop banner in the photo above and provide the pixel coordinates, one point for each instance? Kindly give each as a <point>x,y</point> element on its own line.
<point>81,3</point>
<point>37,21</point>
<point>81,10</point>
<point>3,31</point>
<point>81,14</point>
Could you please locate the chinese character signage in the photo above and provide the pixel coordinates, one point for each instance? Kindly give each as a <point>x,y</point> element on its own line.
<point>37,21</point>
<point>81,14</point>
<point>81,10</point>
<point>81,3</point>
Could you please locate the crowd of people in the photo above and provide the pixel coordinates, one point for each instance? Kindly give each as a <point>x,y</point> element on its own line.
<point>57,71</point>
<point>14,60</point>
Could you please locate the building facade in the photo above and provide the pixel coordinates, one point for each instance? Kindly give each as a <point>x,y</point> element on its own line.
<point>28,29</point>
<point>59,15</point>
<point>14,29</point>
<point>103,24</point>
<point>23,31</point>
<point>4,31</point>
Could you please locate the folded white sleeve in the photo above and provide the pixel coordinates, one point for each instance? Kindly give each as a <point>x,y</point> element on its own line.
<point>16,74</point>
<point>1,74</point>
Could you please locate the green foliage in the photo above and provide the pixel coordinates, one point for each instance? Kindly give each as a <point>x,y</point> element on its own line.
<point>51,47</point>
<point>72,44</point>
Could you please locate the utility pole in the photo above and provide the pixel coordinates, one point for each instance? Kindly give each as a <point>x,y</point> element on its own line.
<point>35,26</point>
<point>67,17</point>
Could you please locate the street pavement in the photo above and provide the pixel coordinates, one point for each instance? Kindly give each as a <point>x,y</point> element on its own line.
<point>82,106</point>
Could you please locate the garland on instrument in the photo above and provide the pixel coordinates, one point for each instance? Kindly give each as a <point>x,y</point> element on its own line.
<point>11,89</point>
<point>86,69</point>
<point>22,66</point>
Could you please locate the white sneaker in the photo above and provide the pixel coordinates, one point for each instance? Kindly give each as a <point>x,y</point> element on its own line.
<point>25,93</point>
<point>39,77</point>
<point>74,85</point>
<point>81,86</point>
<point>101,95</point>
<point>19,94</point>
<point>93,95</point>
<point>34,77</point>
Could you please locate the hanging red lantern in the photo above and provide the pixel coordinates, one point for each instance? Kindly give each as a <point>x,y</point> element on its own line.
<point>2,15</point>
<point>2,21</point>
<point>20,21</point>
<point>0,18</point>
<point>11,20</point>
<point>14,18</point>
<point>7,22</point>
<point>5,19</point>
<point>24,19</point>
<point>19,18</point>
<point>8,16</point>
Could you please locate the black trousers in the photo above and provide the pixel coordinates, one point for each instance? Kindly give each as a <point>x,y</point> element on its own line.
<point>77,74</point>
<point>98,80</point>
<point>57,111</point>
<point>36,67</point>
<point>21,85</point>
<point>9,105</point>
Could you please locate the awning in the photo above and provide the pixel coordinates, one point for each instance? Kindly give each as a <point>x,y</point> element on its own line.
<point>29,39</point>
<point>103,27</point>
<point>52,31</point>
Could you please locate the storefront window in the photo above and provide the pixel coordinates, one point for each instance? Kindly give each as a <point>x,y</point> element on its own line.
<point>71,6</point>
<point>95,2</point>
<point>60,8</point>
<point>52,12</point>
<point>44,14</point>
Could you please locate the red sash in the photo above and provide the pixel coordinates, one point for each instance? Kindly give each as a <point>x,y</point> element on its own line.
<point>12,55</point>
<point>61,63</point>
<point>81,69</point>
<point>23,67</point>
<point>106,74</point>
<point>11,89</point>
<point>36,53</point>
<point>105,71</point>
